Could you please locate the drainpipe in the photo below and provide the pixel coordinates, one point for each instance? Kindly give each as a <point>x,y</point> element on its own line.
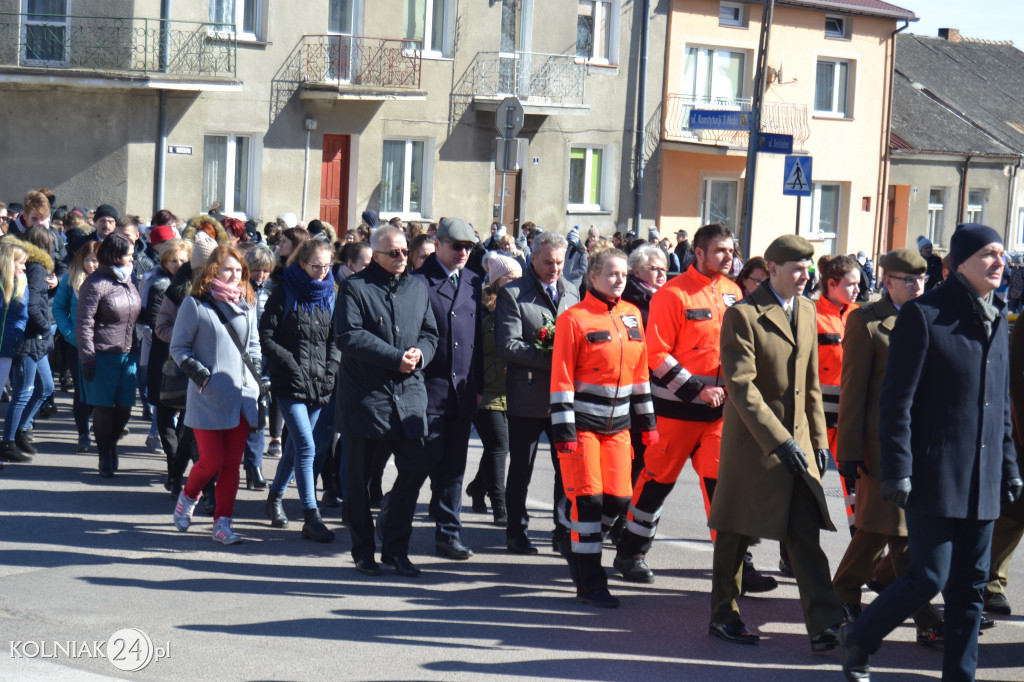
<point>747,213</point>
<point>1010,238</point>
<point>161,146</point>
<point>305,174</point>
<point>963,191</point>
<point>881,203</point>
<point>641,119</point>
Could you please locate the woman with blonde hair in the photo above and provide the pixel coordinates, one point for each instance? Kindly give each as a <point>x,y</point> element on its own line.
<point>15,314</point>
<point>65,314</point>
<point>215,343</point>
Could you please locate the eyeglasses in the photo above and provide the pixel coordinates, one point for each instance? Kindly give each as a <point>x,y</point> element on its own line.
<point>318,267</point>
<point>910,281</point>
<point>658,271</point>
<point>757,280</point>
<point>460,246</point>
<point>395,253</point>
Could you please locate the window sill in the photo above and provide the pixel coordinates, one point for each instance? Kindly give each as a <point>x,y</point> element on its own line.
<point>604,63</point>
<point>742,27</point>
<point>585,210</point>
<point>826,116</point>
<point>843,38</point>
<point>254,42</point>
<point>436,57</point>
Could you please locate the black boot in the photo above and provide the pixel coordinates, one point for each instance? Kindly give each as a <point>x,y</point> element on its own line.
<point>10,453</point>
<point>21,440</point>
<point>275,511</point>
<point>478,496</point>
<point>500,512</point>
<point>113,458</point>
<point>254,479</point>
<point>106,467</point>
<point>314,528</point>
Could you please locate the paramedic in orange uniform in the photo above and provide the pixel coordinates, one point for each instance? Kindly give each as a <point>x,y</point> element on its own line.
<point>683,331</point>
<point>598,375</point>
<point>840,284</point>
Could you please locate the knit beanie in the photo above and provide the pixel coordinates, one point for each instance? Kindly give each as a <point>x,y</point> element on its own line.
<point>923,242</point>
<point>104,211</point>
<point>201,250</point>
<point>498,266</point>
<point>968,239</point>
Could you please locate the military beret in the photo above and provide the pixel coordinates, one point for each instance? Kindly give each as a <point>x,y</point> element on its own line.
<point>788,247</point>
<point>907,261</point>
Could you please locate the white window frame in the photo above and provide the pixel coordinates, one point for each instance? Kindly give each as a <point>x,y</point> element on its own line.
<point>707,65</point>
<point>835,111</point>
<point>229,177</point>
<point>445,49</point>
<point>239,18</point>
<point>737,12</point>
<point>587,207</point>
<point>816,215</point>
<point>607,11</point>
<point>844,24</point>
<point>28,21</point>
<point>936,225</point>
<point>1020,228</point>
<point>426,182</point>
<point>975,211</point>
<point>705,203</point>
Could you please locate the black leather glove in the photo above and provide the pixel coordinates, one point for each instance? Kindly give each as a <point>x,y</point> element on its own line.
<point>897,491</point>
<point>1012,489</point>
<point>851,470</point>
<point>792,457</point>
<point>821,458</point>
<point>89,371</point>
<point>195,371</point>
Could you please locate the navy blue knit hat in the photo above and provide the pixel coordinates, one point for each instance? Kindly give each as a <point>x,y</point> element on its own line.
<point>968,239</point>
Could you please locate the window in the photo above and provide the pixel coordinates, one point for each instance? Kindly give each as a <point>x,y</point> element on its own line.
<point>835,27</point>
<point>597,31</point>
<point>432,22</point>
<point>976,203</point>
<point>730,14</point>
<point>586,178</point>
<point>826,202</point>
<point>242,17</point>
<point>712,75</point>
<point>830,87</point>
<point>1020,227</point>
<point>45,38</point>
<point>341,17</point>
<point>719,201</point>
<point>936,214</point>
<point>227,173</point>
<point>403,177</point>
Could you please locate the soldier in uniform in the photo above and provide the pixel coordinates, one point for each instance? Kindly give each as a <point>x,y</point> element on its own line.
<point>774,447</point>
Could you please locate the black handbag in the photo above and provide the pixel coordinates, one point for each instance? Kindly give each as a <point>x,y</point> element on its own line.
<point>173,385</point>
<point>263,402</point>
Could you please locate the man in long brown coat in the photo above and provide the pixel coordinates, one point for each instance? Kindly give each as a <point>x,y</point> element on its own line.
<point>878,522</point>
<point>774,426</point>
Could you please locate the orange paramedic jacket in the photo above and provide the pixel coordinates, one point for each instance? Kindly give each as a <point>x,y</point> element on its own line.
<point>831,329</point>
<point>684,328</point>
<point>599,370</point>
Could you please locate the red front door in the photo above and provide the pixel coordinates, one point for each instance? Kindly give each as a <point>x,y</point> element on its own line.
<point>334,182</point>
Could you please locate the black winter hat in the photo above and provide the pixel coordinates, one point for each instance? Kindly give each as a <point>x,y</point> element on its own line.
<point>968,239</point>
<point>104,211</point>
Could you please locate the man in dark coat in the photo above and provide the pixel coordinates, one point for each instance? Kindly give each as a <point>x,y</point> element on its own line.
<point>454,378</point>
<point>387,334</point>
<point>524,307</point>
<point>947,451</point>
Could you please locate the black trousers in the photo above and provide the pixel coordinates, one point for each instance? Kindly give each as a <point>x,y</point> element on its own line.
<point>446,445</point>
<point>492,427</point>
<point>400,505</point>
<point>79,408</point>
<point>523,438</point>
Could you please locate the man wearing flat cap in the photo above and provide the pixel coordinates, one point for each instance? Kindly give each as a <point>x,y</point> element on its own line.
<point>947,454</point>
<point>774,446</point>
<point>878,522</point>
<point>454,378</point>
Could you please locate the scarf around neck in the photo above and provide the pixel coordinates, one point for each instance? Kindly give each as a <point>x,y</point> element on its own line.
<point>310,294</point>
<point>222,291</point>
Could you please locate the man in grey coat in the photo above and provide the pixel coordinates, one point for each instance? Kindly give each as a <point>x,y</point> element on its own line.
<point>525,307</point>
<point>387,334</point>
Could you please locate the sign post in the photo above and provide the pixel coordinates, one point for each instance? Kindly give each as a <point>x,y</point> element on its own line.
<point>796,181</point>
<point>508,121</point>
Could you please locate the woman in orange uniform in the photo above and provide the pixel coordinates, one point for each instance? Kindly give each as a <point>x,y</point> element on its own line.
<point>599,373</point>
<point>840,284</point>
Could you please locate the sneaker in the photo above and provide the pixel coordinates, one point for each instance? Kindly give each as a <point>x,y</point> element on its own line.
<point>222,532</point>
<point>183,512</point>
<point>153,443</point>
<point>274,449</point>
<point>83,443</point>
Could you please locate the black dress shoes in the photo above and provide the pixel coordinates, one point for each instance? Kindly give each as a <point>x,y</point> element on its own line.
<point>856,662</point>
<point>827,640</point>
<point>986,624</point>
<point>521,546</point>
<point>402,566</point>
<point>600,598</point>
<point>367,566</point>
<point>737,633</point>
<point>452,548</point>
<point>997,603</point>
<point>634,569</point>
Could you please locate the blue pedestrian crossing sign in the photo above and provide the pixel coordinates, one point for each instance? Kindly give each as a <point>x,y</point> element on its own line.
<point>797,176</point>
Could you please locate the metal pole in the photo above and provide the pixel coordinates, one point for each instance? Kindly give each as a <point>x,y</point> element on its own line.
<point>161,155</point>
<point>755,127</point>
<point>165,35</point>
<point>797,230</point>
<point>501,200</point>
<point>305,176</point>
<point>641,119</point>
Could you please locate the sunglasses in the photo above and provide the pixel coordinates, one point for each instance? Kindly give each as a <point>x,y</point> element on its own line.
<point>395,253</point>
<point>461,246</point>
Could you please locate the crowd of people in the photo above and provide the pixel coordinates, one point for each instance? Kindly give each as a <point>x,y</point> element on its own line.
<point>632,356</point>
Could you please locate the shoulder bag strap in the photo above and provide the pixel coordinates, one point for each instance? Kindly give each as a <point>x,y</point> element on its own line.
<point>234,337</point>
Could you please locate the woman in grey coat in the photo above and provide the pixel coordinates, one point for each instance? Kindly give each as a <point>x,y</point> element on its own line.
<point>221,405</point>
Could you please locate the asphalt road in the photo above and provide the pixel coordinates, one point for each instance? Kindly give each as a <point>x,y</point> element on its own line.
<point>83,558</point>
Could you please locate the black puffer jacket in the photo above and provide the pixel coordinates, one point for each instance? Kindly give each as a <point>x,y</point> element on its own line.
<point>38,337</point>
<point>300,356</point>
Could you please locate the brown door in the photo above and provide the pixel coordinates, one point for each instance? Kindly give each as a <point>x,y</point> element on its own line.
<point>510,217</point>
<point>334,182</point>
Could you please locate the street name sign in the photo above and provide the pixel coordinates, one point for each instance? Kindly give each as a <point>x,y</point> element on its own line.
<point>773,143</point>
<point>716,119</point>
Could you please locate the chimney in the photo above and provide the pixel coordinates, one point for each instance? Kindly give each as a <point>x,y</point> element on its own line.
<point>950,34</point>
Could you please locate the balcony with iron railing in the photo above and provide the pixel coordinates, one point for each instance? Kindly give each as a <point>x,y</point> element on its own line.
<point>360,66</point>
<point>776,117</point>
<point>117,50</point>
<point>543,83</point>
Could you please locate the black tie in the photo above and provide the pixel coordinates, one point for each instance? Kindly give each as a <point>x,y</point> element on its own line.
<point>454,279</point>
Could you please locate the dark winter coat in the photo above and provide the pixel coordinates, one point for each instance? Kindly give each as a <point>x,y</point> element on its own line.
<point>379,317</point>
<point>299,356</point>
<point>638,294</point>
<point>454,378</point>
<point>1015,511</point>
<point>38,337</point>
<point>107,312</point>
<point>945,406</point>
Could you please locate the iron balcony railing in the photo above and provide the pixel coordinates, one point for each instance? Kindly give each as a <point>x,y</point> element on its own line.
<point>776,117</point>
<point>118,44</point>
<point>533,77</point>
<point>361,61</point>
